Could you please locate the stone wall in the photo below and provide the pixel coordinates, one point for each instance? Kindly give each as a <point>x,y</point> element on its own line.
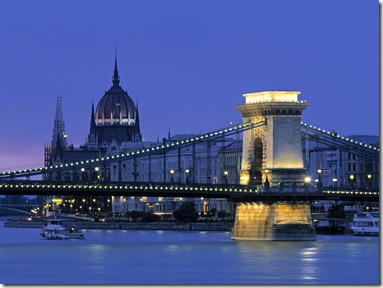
<point>217,226</point>
<point>257,221</point>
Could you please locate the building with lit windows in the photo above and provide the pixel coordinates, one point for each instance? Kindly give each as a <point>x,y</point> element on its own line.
<point>115,128</point>
<point>198,166</point>
<point>114,122</point>
<point>336,168</point>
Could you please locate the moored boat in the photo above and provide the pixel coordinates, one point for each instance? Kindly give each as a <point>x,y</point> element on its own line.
<point>366,223</point>
<point>61,229</point>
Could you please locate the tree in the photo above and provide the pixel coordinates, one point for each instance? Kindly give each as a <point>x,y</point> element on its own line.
<point>149,217</point>
<point>211,213</point>
<point>186,213</point>
<point>336,211</point>
<point>222,214</point>
<point>135,214</point>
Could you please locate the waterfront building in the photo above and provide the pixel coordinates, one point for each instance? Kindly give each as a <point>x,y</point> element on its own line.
<point>201,165</point>
<point>115,128</point>
<point>335,168</point>
<point>115,121</point>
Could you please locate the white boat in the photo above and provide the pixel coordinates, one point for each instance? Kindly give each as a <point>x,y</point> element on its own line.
<point>366,223</point>
<point>59,229</point>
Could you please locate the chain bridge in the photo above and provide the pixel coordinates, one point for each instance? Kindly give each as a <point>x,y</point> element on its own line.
<point>274,188</point>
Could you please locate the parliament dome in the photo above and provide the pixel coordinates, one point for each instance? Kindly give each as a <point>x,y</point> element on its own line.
<point>116,107</point>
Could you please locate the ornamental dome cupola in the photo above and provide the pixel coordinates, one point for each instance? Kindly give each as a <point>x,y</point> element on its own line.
<point>116,107</point>
<point>116,118</point>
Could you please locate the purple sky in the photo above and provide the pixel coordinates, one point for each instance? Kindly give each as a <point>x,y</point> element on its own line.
<point>187,62</point>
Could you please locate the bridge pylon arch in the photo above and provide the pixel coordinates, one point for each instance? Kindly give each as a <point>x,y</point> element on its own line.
<point>273,151</point>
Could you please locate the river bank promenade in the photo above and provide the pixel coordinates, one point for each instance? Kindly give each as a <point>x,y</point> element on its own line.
<point>209,226</point>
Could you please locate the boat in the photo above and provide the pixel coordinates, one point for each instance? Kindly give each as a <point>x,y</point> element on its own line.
<point>61,229</point>
<point>366,223</point>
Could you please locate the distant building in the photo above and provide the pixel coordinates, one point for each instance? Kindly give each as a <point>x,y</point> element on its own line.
<point>200,166</point>
<point>342,169</point>
<point>116,121</point>
<point>115,128</point>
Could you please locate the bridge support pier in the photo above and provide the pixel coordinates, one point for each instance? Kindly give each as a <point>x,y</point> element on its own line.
<point>277,222</point>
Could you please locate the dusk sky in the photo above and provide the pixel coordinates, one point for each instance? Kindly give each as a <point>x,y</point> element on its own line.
<point>186,62</point>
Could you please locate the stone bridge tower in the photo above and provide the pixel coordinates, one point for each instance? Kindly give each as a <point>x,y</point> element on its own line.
<point>273,150</point>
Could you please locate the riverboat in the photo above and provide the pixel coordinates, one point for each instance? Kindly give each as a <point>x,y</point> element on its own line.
<point>61,229</point>
<point>366,223</point>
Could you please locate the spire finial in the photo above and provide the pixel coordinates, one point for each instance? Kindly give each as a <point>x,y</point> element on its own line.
<point>116,78</point>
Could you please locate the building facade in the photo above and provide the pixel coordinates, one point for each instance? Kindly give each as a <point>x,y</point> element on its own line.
<point>335,168</point>
<point>115,128</point>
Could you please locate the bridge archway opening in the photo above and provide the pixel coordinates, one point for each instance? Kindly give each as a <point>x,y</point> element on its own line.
<point>256,177</point>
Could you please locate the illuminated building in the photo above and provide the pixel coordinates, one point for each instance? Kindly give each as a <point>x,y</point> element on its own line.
<point>342,169</point>
<point>115,121</point>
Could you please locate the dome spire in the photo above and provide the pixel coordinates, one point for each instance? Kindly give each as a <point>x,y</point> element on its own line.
<point>116,78</point>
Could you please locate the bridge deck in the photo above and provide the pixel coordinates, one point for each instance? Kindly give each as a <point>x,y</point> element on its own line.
<point>232,192</point>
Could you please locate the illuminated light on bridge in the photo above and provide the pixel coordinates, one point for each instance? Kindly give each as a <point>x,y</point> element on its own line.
<point>216,133</point>
<point>341,137</point>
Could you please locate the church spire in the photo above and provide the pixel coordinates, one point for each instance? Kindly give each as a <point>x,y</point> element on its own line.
<point>138,120</point>
<point>59,127</point>
<point>116,78</point>
<point>92,121</point>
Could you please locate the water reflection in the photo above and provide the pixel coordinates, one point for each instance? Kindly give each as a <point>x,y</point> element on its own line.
<point>309,257</point>
<point>184,257</point>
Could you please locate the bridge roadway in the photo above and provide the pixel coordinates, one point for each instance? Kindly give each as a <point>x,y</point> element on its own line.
<point>237,193</point>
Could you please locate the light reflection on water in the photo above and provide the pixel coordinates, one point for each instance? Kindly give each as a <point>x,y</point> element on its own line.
<point>184,257</point>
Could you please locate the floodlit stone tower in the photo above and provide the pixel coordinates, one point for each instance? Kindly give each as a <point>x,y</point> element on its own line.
<point>273,153</point>
<point>274,150</point>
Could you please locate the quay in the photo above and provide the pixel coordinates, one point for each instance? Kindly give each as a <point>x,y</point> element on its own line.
<point>210,226</point>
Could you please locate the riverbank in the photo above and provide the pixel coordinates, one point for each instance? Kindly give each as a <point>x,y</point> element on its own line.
<point>210,226</point>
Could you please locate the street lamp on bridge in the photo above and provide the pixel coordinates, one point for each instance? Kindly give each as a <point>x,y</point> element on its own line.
<point>307,182</point>
<point>187,171</point>
<point>369,177</point>
<point>352,177</point>
<point>225,174</point>
<point>171,173</point>
<point>267,183</point>
<point>319,178</point>
<point>334,181</point>
<point>84,176</point>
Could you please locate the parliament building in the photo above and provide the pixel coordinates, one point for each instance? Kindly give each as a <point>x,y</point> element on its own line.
<point>115,128</point>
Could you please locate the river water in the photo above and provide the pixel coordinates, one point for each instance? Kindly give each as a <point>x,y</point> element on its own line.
<point>184,257</point>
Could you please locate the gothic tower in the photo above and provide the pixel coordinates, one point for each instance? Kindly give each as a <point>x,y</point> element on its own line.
<point>59,137</point>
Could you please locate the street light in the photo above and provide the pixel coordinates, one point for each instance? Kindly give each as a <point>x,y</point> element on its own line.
<point>225,174</point>
<point>171,173</point>
<point>352,177</point>
<point>319,178</point>
<point>187,175</point>
<point>369,177</point>
<point>307,182</point>
<point>83,174</point>
<point>267,183</point>
<point>95,175</point>
<point>334,181</point>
